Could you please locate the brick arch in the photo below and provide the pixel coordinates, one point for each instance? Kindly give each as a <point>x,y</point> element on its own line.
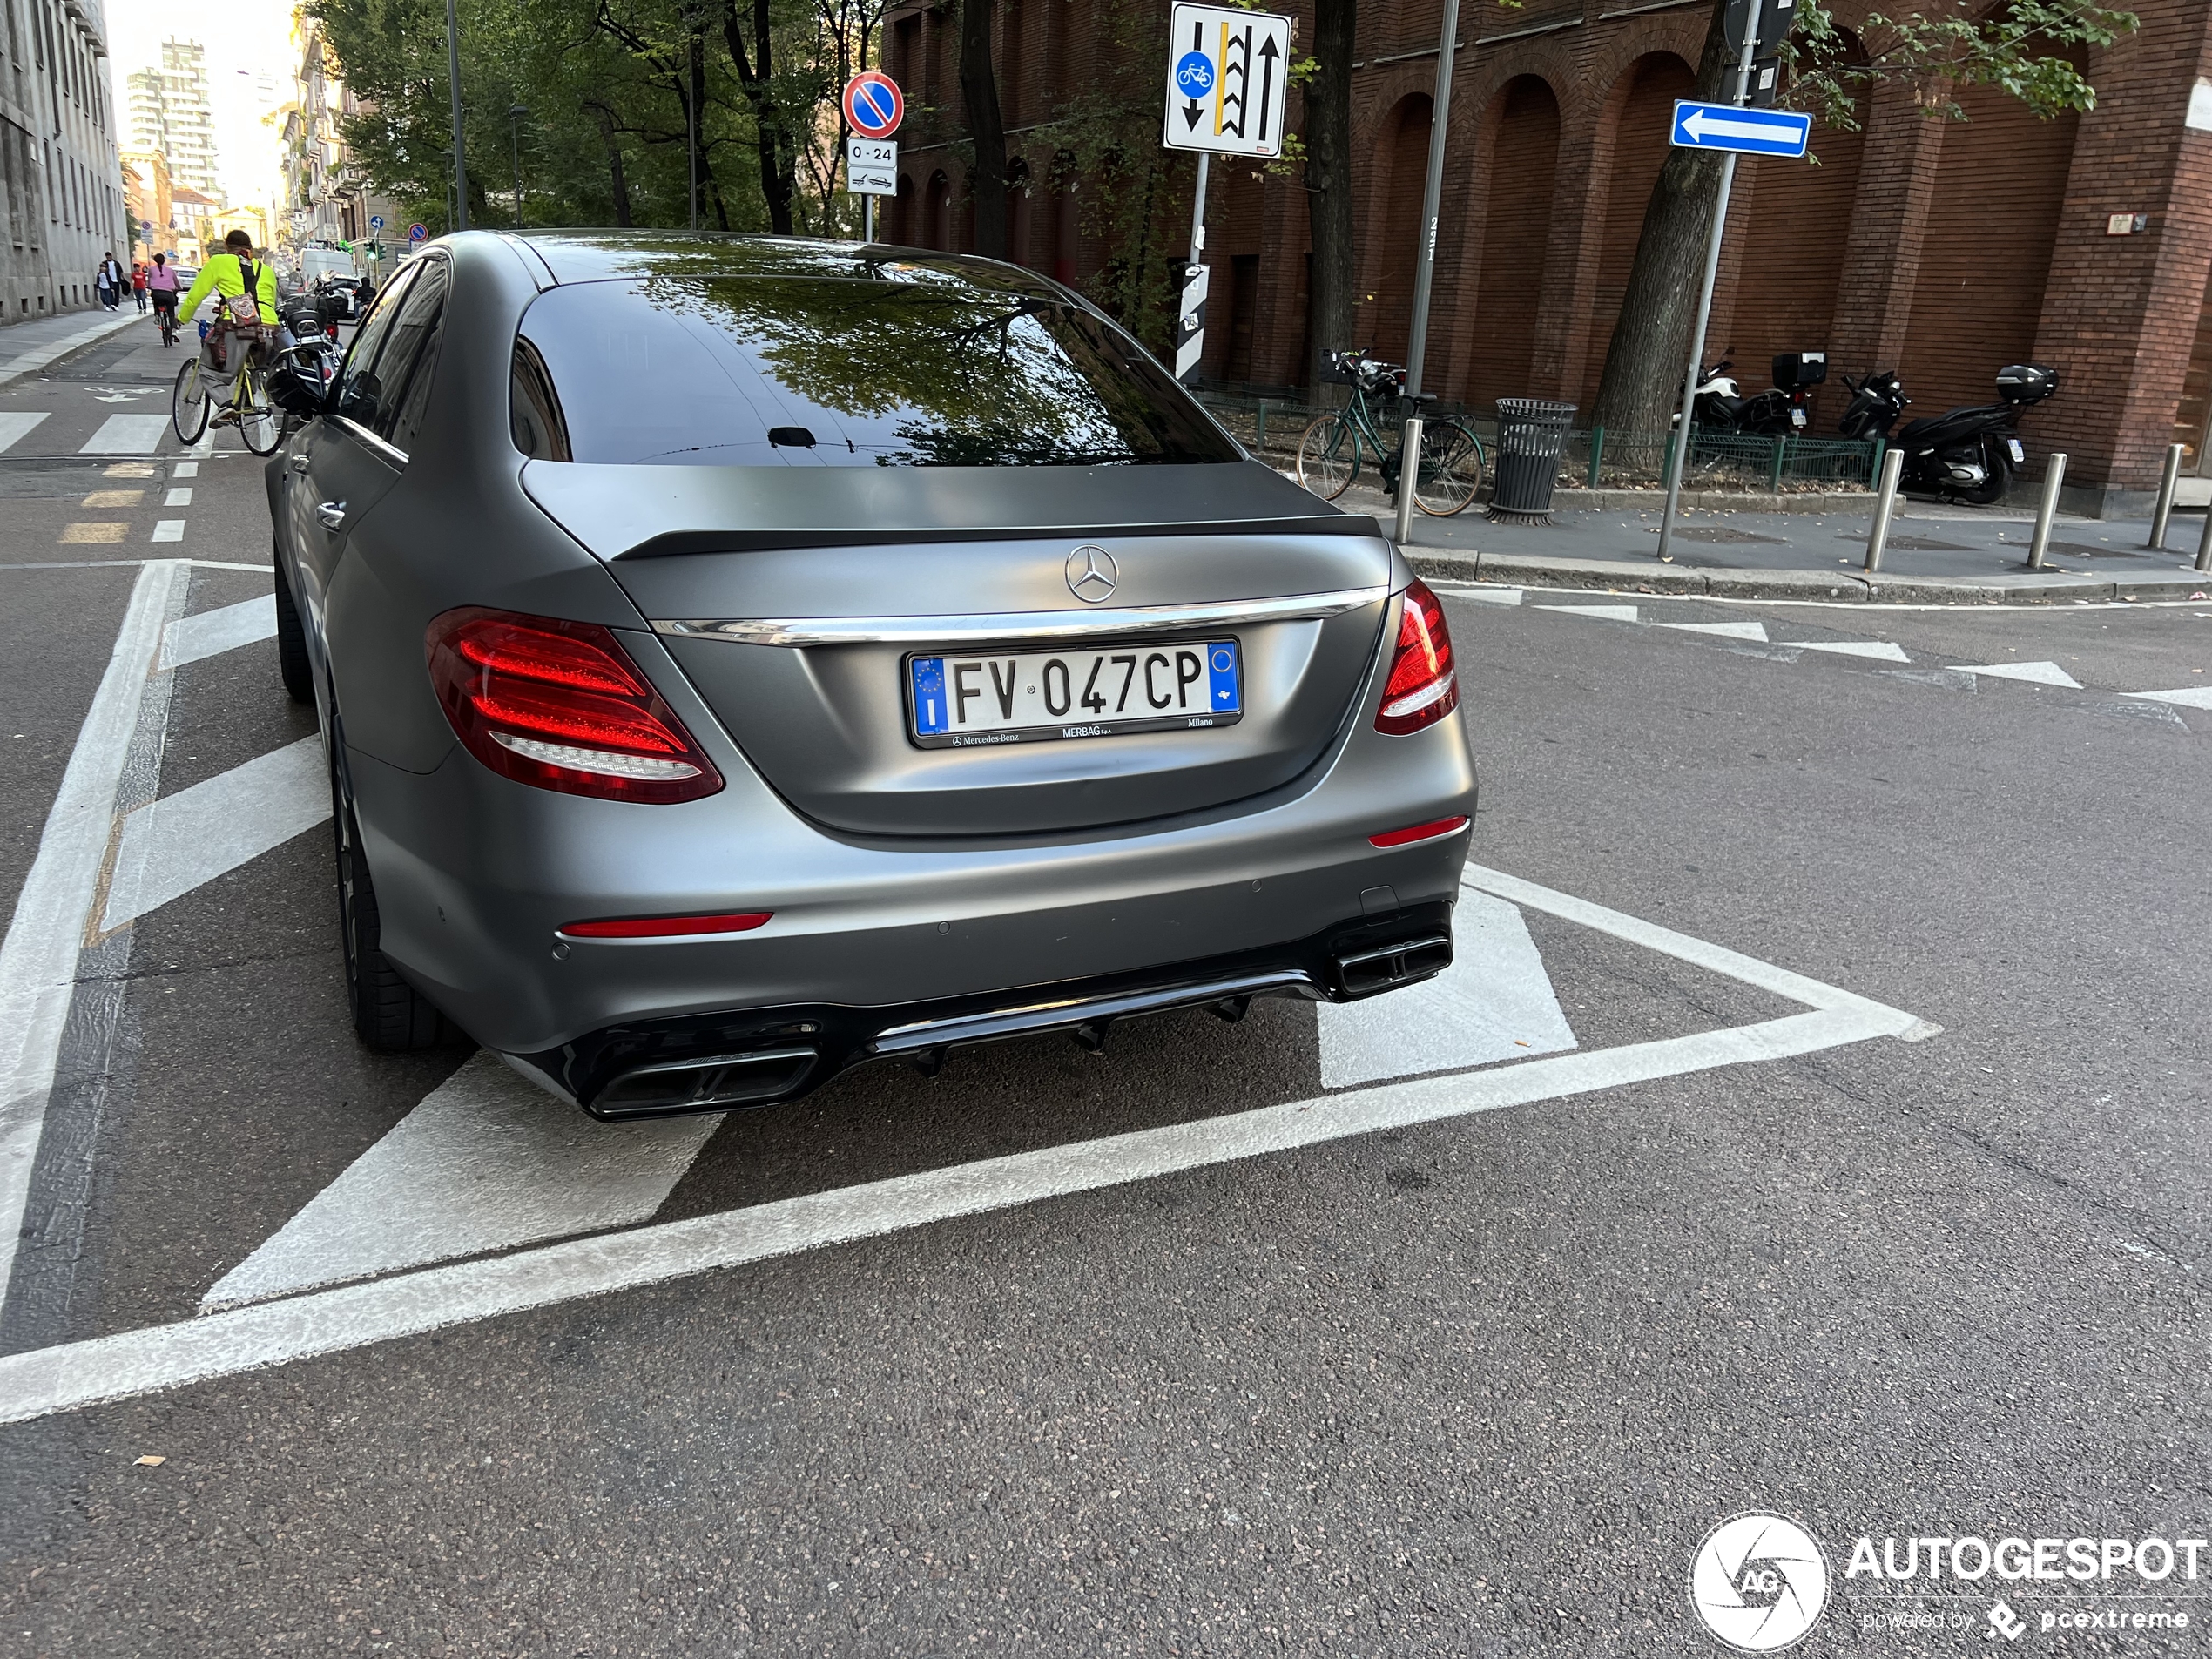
<point>1397,176</point>
<point>1517,162</point>
<point>1631,148</point>
<point>936,227</point>
<point>899,225</point>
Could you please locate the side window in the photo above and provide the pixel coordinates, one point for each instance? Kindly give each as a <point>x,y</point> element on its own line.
<point>533,407</point>
<point>357,387</point>
<point>404,368</point>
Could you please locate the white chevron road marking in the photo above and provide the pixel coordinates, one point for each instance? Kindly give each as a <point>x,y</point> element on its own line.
<point>14,428</point>
<point>212,633</point>
<point>2034,673</point>
<point>2189,697</point>
<point>1751,631</point>
<point>1880,649</point>
<point>1494,1003</point>
<point>1596,613</point>
<point>487,1162</point>
<point>186,839</point>
<point>127,435</point>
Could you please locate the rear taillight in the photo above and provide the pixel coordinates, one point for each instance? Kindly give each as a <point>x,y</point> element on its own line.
<point>1422,688</point>
<point>560,705</point>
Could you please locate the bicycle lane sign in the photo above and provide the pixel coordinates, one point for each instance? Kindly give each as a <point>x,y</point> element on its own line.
<point>1228,80</point>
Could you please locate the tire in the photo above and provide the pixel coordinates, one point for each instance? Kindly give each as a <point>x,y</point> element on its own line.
<point>1451,471</point>
<point>188,402</point>
<point>291,642</point>
<point>389,1015</point>
<point>1328,456</point>
<point>258,424</point>
<point>1993,459</point>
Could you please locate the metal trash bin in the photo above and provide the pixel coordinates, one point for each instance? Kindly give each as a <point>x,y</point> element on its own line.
<point>1530,433</point>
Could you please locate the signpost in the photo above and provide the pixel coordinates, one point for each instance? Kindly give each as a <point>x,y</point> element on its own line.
<point>874,108</point>
<point>1228,81</point>
<point>1734,130</point>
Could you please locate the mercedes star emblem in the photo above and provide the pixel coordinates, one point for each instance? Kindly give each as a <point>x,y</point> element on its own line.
<point>1092,574</point>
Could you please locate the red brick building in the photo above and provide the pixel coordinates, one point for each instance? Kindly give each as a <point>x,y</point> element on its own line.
<point>1942,249</point>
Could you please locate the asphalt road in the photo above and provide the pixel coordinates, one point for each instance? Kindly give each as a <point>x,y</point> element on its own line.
<point>1473,1384</point>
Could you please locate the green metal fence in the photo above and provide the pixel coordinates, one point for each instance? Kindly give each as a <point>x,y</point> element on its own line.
<point>1597,459</point>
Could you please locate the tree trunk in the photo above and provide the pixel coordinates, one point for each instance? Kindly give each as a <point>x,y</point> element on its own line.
<point>1641,388</point>
<point>1328,184</point>
<point>618,181</point>
<point>979,90</point>
<point>778,151</point>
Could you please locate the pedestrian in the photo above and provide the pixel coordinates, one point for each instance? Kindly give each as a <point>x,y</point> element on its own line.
<point>139,282</point>
<point>110,281</point>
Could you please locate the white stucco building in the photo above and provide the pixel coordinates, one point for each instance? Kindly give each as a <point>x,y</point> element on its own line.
<point>61,174</point>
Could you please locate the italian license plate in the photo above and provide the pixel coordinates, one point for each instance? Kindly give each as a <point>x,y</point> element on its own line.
<point>2018,454</point>
<point>1101,691</point>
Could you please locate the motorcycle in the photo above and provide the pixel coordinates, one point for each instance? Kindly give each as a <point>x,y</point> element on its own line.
<point>1967,454</point>
<point>1717,408</point>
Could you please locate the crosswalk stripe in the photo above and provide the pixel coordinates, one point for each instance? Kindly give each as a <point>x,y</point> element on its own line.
<point>212,632</point>
<point>14,427</point>
<point>186,839</point>
<point>1879,650</point>
<point>1601,613</point>
<point>2034,673</point>
<point>168,529</point>
<point>127,435</point>
<point>1751,631</point>
<point>181,496</point>
<point>487,1162</point>
<point>2189,697</point>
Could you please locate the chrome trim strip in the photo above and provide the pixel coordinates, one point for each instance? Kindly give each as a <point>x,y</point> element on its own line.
<point>999,1024</point>
<point>376,445</point>
<point>1019,624</point>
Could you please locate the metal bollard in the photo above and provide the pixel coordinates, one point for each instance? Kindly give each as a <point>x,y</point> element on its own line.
<point>2053,475</point>
<point>1409,472</point>
<point>2164,510</point>
<point>2204,543</point>
<point>1885,505</point>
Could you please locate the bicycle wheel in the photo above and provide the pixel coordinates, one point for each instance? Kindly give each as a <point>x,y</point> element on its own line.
<point>1451,471</point>
<point>1328,455</point>
<point>257,416</point>
<point>188,403</point>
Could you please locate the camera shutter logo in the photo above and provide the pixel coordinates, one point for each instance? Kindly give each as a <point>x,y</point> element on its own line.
<point>1758,1582</point>
<point>1092,574</point>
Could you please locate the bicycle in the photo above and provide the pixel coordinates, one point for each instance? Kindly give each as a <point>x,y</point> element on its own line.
<point>1329,454</point>
<point>259,424</point>
<point>165,317</point>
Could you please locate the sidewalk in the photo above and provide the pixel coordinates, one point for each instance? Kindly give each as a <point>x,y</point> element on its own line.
<point>1935,555</point>
<point>26,348</point>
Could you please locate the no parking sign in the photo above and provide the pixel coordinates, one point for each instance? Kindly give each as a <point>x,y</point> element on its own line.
<point>873,104</point>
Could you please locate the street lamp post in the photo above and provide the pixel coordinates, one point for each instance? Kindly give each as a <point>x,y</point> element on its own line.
<point>515,114</point>
<point>460,167</point>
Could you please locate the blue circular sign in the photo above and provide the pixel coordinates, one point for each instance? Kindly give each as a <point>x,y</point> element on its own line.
<point>376,221</point>
<point>417,232</point>
<point>1194,74</point>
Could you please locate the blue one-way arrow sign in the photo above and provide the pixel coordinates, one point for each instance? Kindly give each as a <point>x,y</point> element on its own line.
<point>1752,133</point>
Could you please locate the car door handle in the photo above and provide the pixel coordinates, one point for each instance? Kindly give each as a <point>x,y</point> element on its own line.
<point>332,514</point>
<point>297,463</point>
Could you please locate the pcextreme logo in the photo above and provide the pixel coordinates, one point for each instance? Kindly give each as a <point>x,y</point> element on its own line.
<point>1758,1582</point>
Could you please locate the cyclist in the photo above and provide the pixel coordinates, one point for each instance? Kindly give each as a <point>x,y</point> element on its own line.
<point>161,288</point>
<point>252,321</point>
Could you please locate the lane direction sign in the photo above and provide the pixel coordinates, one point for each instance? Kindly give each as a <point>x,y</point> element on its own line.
<point>376,221</point>
<point>1228,79</point>
<point>1750,132</point>
<point>873,104</point>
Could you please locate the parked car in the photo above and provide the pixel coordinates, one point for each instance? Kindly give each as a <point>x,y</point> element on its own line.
<point>745,658</point>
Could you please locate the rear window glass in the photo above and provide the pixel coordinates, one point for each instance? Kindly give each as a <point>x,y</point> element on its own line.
<point>924,370</point>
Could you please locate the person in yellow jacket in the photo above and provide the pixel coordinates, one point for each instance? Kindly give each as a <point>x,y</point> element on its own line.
<point>225,276</point>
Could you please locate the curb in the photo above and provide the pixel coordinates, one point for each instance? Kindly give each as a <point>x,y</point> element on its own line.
<point>1613,575</point>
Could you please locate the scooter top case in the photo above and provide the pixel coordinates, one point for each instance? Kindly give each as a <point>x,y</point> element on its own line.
<point>2021,384</point>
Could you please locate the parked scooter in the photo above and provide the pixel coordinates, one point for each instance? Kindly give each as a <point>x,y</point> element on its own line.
<point>1966,454</point>
<point>1718,407</point>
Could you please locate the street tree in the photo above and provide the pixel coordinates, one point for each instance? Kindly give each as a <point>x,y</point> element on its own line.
<point>2024,49</point>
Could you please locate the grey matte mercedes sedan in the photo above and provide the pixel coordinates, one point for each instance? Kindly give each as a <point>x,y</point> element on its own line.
<point>743,658</point>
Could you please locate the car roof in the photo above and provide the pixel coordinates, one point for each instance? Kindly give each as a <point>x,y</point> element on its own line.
<point>598,256</point>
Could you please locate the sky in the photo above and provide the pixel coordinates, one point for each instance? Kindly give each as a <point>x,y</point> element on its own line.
<point>249,73</point>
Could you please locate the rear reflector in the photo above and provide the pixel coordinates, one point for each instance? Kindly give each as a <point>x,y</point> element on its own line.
<point>1433,830</point>
<point>1422,688</point>
<point>561,706</point>
<point>667,927</point>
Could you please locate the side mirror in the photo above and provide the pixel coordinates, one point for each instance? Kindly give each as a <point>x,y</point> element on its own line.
<point>294,393</point>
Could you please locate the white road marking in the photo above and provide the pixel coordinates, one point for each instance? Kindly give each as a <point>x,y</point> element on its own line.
<point>1601,613</point>
<point>127,435</point>
<point>2034,673</point>
<point>184,469</point>
<point>31,361</point>
<point>1751,631</point>
<point>39,957</point>
<point>1880,649</point>
<point>212,633</point>
<point>168,529</point>
<point>206,445</point>
<point>487,1162</point>
<point>186,839</point>
<point>2189,697</point>
<point>1494,1003</point>
<point>181,497</point>
<point>14,428</point>
<point>71,1375</point>
<point>1488,596</point>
